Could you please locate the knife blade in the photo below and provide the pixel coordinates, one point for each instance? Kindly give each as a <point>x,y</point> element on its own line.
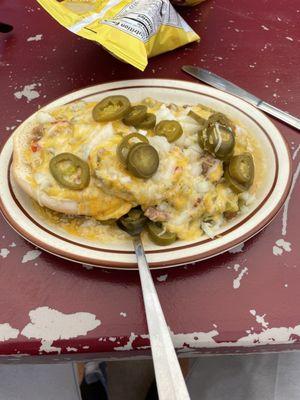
<point>220,83</point>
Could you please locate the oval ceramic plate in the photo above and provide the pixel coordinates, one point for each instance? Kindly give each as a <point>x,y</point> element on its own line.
<point>19,212</point>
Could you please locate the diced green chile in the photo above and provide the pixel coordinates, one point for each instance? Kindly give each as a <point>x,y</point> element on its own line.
<point>61,175</point>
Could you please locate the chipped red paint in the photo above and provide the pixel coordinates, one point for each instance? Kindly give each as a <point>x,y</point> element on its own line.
<point>235,45</point>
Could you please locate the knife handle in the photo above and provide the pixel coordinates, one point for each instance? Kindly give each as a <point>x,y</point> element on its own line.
<point>283,116</point>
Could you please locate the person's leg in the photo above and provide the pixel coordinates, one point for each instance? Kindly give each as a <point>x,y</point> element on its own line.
<point>94,383</point>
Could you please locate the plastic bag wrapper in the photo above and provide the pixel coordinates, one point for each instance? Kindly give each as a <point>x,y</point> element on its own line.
<point>131,30</point>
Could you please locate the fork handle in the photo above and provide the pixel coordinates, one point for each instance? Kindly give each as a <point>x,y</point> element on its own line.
<point>169,379</point>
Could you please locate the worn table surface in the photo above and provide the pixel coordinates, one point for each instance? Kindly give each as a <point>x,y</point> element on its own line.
<point>244,300</point>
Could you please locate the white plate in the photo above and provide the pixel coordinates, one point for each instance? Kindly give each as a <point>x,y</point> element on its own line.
<point>18,210</point>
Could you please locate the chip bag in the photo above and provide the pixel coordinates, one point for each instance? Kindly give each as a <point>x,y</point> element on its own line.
<point>132,30</point>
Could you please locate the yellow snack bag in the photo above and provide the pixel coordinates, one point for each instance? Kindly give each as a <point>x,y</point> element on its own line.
<point>132,30</point>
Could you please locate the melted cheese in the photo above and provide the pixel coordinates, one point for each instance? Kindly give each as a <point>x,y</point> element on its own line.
<point>68,129</point>
<point>178,187</point>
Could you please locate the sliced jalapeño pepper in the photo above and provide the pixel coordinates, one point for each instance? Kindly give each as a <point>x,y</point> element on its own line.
<point>241,168</point>
<point>221,119</point>
<point>142,160</point>
<point>133,222</point>
<point>202,138</point>
<point>196,117</point>
<point>109,221</point>
<point>127,142</point>
<point>111,108</point>
<point>148,122</point>
<point>135,115</point>
<point>220,141</point>
<point>217,136</point>
<point>172,130</point>
<point>70,171</point>
<point>235,185</point>
<point>239,174</point>
<point>159,235</point>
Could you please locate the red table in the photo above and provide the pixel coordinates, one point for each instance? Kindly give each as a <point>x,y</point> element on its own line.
<point>242,301</point>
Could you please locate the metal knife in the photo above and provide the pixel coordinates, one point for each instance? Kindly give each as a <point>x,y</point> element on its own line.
<point>222,84</point>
